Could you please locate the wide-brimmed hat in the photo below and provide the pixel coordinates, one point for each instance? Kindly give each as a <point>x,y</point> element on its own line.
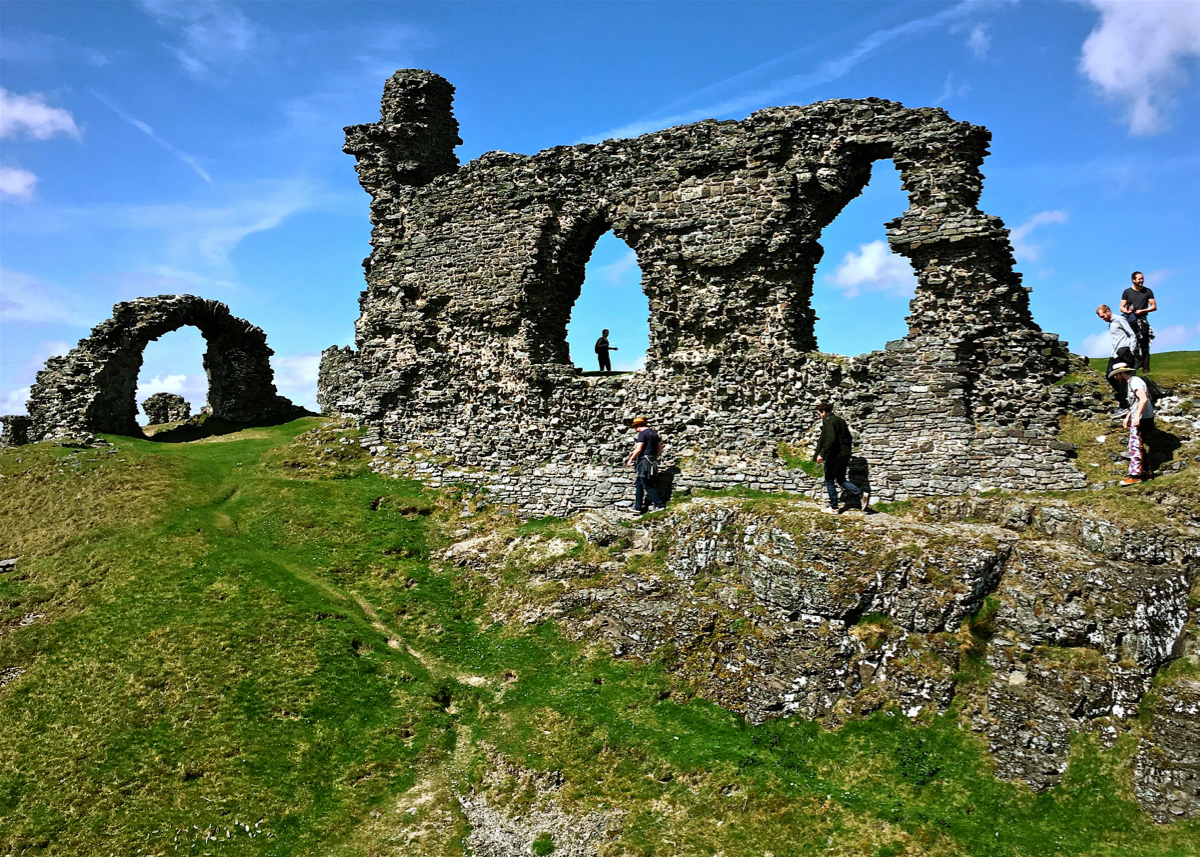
<point>639,421</point>
<point>1118,368</point>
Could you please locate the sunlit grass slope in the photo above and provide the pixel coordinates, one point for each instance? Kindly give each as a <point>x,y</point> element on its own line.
<point>241,646</point>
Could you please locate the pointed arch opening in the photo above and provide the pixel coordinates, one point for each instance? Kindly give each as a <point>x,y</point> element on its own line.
<point>611,298</point>
<point>861,289</point>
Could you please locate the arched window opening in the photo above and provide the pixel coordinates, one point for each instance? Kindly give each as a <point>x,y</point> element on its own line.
<point>174,363</point>
<point>861,289</point>
<point>611,299</point>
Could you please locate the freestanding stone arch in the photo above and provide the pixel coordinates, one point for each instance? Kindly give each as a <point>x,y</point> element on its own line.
<point>92,388</point>
<point>461,344</point>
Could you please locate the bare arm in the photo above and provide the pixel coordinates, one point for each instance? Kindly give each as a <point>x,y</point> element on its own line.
<point>637,450</point>
<point>1139,405</point>
<point>1151,306</point>
<point>1125,306</point>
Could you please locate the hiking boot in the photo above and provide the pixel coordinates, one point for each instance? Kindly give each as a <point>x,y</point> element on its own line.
<point>1130,480</point>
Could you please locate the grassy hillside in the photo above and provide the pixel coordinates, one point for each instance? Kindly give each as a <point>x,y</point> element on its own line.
<point>244,645</point>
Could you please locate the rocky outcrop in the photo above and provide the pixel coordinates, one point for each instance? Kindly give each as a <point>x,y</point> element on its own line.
<point>1035,620</point>
<point>164,408</point>
<point>14,430</point>
<point>91,389</point>
<point>461,345</point>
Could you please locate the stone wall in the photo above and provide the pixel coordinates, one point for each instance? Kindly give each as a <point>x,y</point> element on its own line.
<point>166,408</point>
<point>461,370</point>
<point>91,389</point>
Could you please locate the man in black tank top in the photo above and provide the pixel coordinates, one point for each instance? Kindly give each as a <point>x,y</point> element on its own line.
<point>1137,302</point>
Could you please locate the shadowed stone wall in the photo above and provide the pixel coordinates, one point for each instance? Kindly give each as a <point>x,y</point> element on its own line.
<point>166,408</point>
<point>91,389</point>
<point>461,344</point>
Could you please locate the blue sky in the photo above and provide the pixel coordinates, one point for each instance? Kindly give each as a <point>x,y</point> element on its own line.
<point>152,148</point>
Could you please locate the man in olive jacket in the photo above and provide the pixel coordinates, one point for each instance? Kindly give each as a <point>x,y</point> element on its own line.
<point>833,448</point>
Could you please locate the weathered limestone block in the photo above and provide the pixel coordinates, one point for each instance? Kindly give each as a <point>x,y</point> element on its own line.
<point>461,342</point>
<point>1167,772</point>
<point>166,408</point>
<point>92,388</point>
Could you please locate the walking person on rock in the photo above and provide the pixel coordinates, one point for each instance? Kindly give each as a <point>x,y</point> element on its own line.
<point>833,448</point>
<point>1139,421</point>
<point>1124,343</point>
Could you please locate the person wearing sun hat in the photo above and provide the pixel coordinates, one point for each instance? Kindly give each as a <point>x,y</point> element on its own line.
<point>644,458</point>
<point>1139,421</point>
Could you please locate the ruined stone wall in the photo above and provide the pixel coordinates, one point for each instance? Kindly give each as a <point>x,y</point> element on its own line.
<point>461,363</point>
<point>92,388</point>
<point>164,408</point>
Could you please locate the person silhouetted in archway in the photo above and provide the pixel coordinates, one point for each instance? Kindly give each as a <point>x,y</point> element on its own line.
<point>602,349</point>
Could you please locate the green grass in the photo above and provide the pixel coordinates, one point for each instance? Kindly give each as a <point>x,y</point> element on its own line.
<point>245,647</point>
<point>1169,369</point>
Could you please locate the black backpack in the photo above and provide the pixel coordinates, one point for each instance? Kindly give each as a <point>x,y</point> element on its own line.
<point>1154,391</point>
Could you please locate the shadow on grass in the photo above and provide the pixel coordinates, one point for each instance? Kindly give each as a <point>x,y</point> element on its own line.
<point>207,425</point>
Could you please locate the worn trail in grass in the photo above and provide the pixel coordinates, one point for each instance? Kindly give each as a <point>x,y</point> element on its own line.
<point>219,650</point>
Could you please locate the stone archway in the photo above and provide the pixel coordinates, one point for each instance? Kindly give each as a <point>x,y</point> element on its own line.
<point>92,388</point>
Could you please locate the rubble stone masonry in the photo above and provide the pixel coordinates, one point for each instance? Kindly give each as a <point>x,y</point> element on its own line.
<point>461,371</point>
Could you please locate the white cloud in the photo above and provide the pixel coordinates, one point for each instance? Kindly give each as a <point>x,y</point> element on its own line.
<point>296,377</point>
<point>1138,55</point>
<point>618,273</point>
<point>149,132</point>
<point>1172,337</point>
<point>979,41</point>
<point>1096,345</point>
<point>163,384</point>
<point>27,298</point>
<point>17,183</point>
<point>32,116</point>
<point>13,402</point>
<point>874,268</point>
<point>1025,251</point>
<point>212,33</point>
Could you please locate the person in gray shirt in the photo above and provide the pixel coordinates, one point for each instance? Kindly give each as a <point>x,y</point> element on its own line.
<point>1124,342</point>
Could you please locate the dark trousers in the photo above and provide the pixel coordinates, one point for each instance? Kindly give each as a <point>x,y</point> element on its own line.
<point>1141,329</point>
<point>605,363</point>
<point>642,489</point>
<point>835,476</point>
<point>1120,388</point>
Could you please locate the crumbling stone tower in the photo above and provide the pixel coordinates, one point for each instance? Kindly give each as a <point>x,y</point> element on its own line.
<point>461,344</point>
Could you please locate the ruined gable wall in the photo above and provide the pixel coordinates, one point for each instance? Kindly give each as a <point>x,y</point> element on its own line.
<point>461,344</point>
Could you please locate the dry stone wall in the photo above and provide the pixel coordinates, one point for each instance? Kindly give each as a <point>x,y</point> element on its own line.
<point>166,408</point>
<point>92,388</point>
<point>461,370</point>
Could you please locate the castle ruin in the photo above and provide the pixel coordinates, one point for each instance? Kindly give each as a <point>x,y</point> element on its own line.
<point>461,371</point>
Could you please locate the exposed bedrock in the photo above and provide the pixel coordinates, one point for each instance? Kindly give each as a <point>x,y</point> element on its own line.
<point>1035,620</point>
<point>461,343</point>
<point>92,388</point>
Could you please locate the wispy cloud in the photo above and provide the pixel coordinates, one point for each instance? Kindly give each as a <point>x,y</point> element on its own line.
<point>149,132</point>
<point>1137,56</point>
<point>874,267</point>
<point>979,41</point>
<point>950,89</point>
<point>42,49</point>
<point>16,183</point>
<point>1023,248</point>
<point>32,299</point>
<point>210,34</point>
<point>784,89</point>
<point>618,273</point>
<point>31,116</point>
